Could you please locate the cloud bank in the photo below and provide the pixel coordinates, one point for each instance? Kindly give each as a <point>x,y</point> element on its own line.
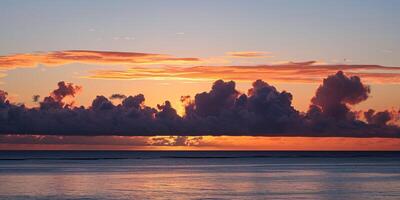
<point>262,111</point>
<point>311,72</point>
<point>176,67</point>
<point>102,140</point>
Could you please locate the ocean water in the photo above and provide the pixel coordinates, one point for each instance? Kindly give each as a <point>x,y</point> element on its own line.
<point>199,175</point>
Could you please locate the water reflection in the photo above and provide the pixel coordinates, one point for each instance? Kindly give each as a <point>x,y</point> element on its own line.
<point>200,178</point>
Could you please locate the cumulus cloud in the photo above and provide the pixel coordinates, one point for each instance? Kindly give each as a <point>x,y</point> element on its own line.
<point>377,118</point>
<point>311,72</point>
<point>55,99</point>
<point>262,111</point>
<point>336,92</point>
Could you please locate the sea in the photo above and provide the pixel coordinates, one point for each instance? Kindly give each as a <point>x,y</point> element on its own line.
<point>178,175</point>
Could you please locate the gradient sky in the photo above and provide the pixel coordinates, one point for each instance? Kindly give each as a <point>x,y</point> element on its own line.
<point>216,34</point>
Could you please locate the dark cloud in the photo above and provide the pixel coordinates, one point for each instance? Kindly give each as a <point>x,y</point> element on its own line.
<point>85,140</point>
<point>221,97</point>
<point>55,100</point>
<point>273,109</point>
<point>65,89</point>
<point>337,92</point>
<point>118,96</point>
<point>101,103</point>
<point>262,111</point>
<point>377,118</point>
<point>224,111</point>
<point>330,115</point>
<point>3,96</point>
<point>133,101</point>
<point>101,140</point>
<point>35,98</point>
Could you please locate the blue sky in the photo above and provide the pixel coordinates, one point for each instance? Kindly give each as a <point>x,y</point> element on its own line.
<point>358,31</point>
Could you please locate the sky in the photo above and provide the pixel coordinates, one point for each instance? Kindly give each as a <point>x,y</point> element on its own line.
<point>169,49</point>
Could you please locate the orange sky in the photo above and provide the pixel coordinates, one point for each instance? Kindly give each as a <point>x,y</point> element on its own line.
<point>238,143</point>
<point>168,50</point>
<point>161,77</point>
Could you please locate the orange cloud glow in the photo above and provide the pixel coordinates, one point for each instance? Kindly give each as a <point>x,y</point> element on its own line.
<point>88,57</point>
<point>248,54</point>
<point>305,72</point>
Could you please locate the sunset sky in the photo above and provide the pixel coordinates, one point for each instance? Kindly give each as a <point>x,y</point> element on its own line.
<point>169,49</point>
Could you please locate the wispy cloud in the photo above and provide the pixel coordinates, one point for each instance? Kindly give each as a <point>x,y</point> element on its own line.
<point>124,38</point>
<point>55,58</point>
<point>248,54</point>
<point>304,72</point>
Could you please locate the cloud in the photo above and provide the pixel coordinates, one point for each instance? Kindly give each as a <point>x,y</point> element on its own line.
<point>248,54</point>
<point>118,96</point>
<point>378,118</point>
<point>224,111</point>
<point>175,141</point>
<point>55,58</point>
<point>222,96</point>
<point>177,67</point>
<point>311,72</point>
<point>124,38</point>
<point>86,140</point>
<point>3,96</point>
<point>262,111</point>
<point>337,92</point>
<point>36,98</point>
<point>56,98</point>
<point>102,140</point>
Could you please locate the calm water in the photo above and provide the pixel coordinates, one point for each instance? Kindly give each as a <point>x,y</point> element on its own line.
<point>199,175</point>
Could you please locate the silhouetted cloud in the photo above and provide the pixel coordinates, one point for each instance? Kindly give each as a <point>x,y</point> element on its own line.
<point>118,96</point>
<point>311,72</point>
<point>377,118</point>
<point>3,96</point>
<point>55,100</point>
<point>86,140</point>
<point>336,92</point>
<point>263,111</point>
<point>35,98</point>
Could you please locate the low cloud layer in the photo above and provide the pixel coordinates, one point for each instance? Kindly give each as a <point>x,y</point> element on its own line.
<point>262,111</point>
<point>102,140</point>
<point>311,72</point>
